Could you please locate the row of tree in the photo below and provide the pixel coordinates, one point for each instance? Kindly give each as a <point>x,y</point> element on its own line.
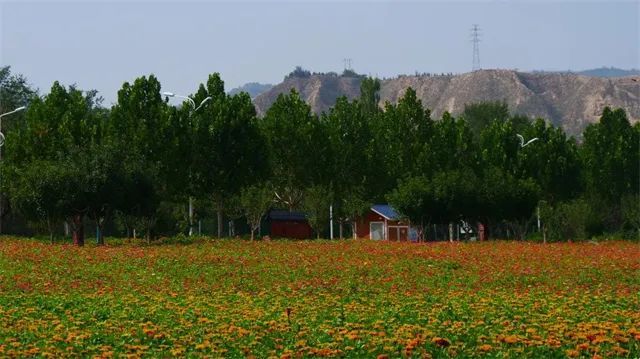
<point>141,161</point>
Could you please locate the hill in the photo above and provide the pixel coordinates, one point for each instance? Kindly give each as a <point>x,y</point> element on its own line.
<point>252,88</point>
<point>566,99</point>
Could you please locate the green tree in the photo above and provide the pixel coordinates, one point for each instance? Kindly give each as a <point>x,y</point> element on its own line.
<point>231,150</point>
<point>414,198</point>
<point>317,200</point>
<point>15,91</point>
<point>611,161</point>
<point>255,201</point>
<point>139,123</point>
<point>296,148</point>
<point>56,128</point>
<point>370,96</point>
<point>403,137</point>
<point>483,114</point>
<point>349,136</point>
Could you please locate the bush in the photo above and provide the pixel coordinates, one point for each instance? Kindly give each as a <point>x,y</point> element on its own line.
<point>630,208</point>
<point>567,220</point>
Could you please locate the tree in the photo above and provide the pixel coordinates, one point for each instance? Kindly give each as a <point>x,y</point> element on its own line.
<point>231,150</point>
<point>403,136</point>
<point>35,192</point>
<point>255,201</point>
<point>139,123</point>
<point>370,96</point>
<point>15,91</point>
<point>317,200</point>
<point>553,162</point>
<point>296,148</point>
<point>349,136</point>
<point>415,199</point>
<point>56,128</point>
<point>611,163</point>
<point>508,193</point>
<point>482,114</point>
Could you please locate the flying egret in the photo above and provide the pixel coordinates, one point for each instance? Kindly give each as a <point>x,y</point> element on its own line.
<point>522,144</point>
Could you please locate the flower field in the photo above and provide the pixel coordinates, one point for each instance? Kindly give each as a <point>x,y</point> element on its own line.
<point>283,299</point>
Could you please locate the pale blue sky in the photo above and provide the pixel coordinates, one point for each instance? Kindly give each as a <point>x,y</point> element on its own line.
<point>102,44</point>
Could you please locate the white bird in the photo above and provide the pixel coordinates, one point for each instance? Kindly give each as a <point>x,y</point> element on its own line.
<point>522,144</point>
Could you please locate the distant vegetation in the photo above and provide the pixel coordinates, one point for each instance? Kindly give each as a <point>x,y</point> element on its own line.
<point>299,72</point>
<point>137,164</point>
<point>610,72</point>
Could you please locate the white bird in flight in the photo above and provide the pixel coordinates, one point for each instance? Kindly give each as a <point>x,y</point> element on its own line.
<point>522,144</point>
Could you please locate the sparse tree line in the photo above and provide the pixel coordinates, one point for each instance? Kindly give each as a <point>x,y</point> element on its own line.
<point>67,159</point>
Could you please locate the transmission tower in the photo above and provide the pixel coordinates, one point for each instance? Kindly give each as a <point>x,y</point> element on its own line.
<point>347,63</point>
<point>475,38</point>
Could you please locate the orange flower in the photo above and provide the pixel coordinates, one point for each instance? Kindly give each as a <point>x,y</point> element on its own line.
<point>572,353</point>
<point>442,342</point>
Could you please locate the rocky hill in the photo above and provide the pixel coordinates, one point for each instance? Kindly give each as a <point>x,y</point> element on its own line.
<point>568,100</point>
<point>252,88</point>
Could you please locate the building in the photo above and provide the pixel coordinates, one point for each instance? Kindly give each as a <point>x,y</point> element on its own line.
<point>285,224</point>
<point>382,222</point>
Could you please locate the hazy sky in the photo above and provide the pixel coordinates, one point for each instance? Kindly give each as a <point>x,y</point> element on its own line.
<point>99,45</point>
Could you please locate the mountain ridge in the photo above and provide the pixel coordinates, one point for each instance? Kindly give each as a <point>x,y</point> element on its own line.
<point>569,100</point>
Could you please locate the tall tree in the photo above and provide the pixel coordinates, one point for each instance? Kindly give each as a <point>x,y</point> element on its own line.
<point>483,114</point>
<point>296,148</point>
<point>56,130</point>
<point>403,136</point>
<point>611,161</point>
<point>231,150</point>
<point>370,96</point>
<point>349,135</point>
<point>139,123</point>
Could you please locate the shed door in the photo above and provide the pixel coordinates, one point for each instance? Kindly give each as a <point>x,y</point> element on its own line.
<point>376,230</point>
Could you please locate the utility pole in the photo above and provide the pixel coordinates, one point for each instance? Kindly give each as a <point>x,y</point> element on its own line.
<point>475,38</point>
<point>347,64</point>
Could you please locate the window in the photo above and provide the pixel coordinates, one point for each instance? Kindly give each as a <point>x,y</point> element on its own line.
<point>377,230</point>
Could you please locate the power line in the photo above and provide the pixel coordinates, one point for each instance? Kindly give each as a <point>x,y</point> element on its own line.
<point>475,38</point>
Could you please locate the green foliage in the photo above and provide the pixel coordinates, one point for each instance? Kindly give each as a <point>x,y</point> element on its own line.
<point>15,91</point>
<point>255,202</point>
<point>370,96</point>
<point>611,163</point>
<point>566,220</point>
<point>631,214</point>
<point>142,160</point>
<point>296,148</point>
<point>415,199</point>
<point>483,114</point>
<point>317,200</point>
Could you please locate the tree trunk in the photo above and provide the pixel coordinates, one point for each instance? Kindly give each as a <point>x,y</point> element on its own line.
<point>190,216</point>
<point>49,227</point>
<point>354,227</point>
<point>341,229</point>
<point>220,225</point>
<point>253,230</point>
<point>100,234</point>
<point>544,233</point>
<point>78,230</point>
<point>450,232</point>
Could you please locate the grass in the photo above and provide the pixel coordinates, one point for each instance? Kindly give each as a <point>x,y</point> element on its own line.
<point>350,298</point>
